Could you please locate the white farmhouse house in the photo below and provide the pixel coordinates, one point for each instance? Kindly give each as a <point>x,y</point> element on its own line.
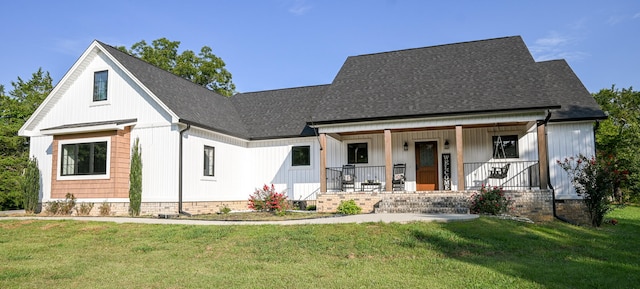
<point>437,120</point>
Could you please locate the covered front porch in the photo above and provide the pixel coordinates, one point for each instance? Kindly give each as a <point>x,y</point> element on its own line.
<point>508,151</point>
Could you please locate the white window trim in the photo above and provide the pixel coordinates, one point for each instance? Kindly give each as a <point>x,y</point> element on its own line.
<point>346,151</point>
<point>311,157</point>
<point>95,103</point>
<point>106,176</point>
<point>215,163</point>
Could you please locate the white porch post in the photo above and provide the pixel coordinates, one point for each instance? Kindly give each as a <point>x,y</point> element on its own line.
<point>323,163</point>
<point>388,161</point>
<point>460,158</point>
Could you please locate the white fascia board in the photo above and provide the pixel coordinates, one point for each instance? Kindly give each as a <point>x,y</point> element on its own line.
<point>86,129</point>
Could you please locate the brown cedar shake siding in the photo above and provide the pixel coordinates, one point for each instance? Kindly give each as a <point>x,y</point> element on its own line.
<point>117,186</point>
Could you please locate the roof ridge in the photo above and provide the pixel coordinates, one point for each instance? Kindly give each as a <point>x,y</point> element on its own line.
<point>286,88</point>
<point>438,45</point>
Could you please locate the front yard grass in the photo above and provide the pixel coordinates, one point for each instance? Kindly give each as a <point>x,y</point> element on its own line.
<point>485,253</point>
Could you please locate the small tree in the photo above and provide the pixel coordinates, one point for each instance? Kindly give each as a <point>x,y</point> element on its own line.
<point>135,179</point>
<point>31,186</point>
<point>593,180</point>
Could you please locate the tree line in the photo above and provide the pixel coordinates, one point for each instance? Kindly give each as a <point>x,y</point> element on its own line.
<point>617,137</point>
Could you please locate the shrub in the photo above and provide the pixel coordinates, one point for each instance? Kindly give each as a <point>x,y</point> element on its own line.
<point>135,179</point>
<point>311,207</point>
<point>31,186</point>
<point>268,199</point>
<point>62,207</point>
<point>84,209</point>
<point>490,200</point>
<point>349,208</point>
<point>593,180</point>
<point>105,209</point>
<point>225,209</point>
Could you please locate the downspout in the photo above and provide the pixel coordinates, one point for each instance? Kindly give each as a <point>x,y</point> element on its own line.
<point>553,191</point>
<point>180,211</point>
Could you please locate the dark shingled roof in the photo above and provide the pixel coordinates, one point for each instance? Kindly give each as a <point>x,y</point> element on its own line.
<point>577,103</point>
<point>487,75</point>
<point>479,76</point>
<point>279,113</point>
<point>191,102</point>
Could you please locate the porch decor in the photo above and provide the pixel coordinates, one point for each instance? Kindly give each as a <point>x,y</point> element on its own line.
<point>399,176</point>
<point>499,172</point>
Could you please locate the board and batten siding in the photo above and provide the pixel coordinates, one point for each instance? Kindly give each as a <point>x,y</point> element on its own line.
<point>159,150</point>
<point>270,163</point>
<point>41,147</point>
<point>230,181</point>
<point>125,100</point>
<point>567,140</point>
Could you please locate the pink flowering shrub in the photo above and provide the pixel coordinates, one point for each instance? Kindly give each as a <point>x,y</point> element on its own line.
<point>489,200</point>
<point>268,199</point>
<point>594,180</point>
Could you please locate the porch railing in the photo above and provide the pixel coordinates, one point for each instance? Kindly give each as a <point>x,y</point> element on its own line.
<point>518,175</point>
<point>363,174</point>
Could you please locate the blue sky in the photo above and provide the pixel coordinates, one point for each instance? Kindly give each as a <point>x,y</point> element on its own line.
<point>272,44</point>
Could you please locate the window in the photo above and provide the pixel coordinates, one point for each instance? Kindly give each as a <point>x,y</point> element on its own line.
<point>209,159</point>
<point>300,156</point>
<point>84,159</point>
<point>357,153</point>
<point>100,85</point>
<point>505,146</point>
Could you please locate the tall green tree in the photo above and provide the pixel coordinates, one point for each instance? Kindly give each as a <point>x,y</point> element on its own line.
<point>15,109</point>
<point>618,138</point>
<point>204,68</point>
<point>135,179</point>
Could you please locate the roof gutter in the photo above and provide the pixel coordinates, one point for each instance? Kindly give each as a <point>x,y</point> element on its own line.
<point>180,211</point>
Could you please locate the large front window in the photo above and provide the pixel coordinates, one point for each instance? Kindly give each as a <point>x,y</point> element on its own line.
<point>84,159</point>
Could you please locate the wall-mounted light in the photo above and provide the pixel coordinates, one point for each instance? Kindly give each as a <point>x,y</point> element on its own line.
<point>446,144</point>
<point>406,146</point>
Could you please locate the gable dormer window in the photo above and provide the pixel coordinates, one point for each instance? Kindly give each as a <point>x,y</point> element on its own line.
<point>100,85</point>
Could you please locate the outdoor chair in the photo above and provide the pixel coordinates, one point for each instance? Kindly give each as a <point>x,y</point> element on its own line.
<point>348,177</point>
<point>399,177</point>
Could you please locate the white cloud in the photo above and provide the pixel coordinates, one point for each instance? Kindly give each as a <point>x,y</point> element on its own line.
<point>300,7</point>
<point>556,46</point>
<point>615,19</point>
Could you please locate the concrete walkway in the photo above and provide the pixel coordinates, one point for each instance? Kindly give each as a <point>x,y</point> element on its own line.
<point>362,218</point>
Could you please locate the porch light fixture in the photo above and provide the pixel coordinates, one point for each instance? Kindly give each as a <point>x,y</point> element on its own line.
<point>406,146</point>
<point>446,144</point>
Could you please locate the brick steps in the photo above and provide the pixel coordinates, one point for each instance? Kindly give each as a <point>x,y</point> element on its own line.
<point>424,203</point>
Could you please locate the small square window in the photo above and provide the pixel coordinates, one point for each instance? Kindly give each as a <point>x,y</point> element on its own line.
<point>357,153</point>
<point>301,156</point>
<point>505,146</point>
<point>100,85</point>
<point>209,160</point>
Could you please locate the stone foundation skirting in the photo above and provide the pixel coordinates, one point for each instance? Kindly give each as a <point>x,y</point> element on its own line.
<point>574,211</point>
<point>536,205</point>
<point>171,208</point>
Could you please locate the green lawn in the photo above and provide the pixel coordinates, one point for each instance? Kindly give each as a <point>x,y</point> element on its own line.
<point>485,253</point>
